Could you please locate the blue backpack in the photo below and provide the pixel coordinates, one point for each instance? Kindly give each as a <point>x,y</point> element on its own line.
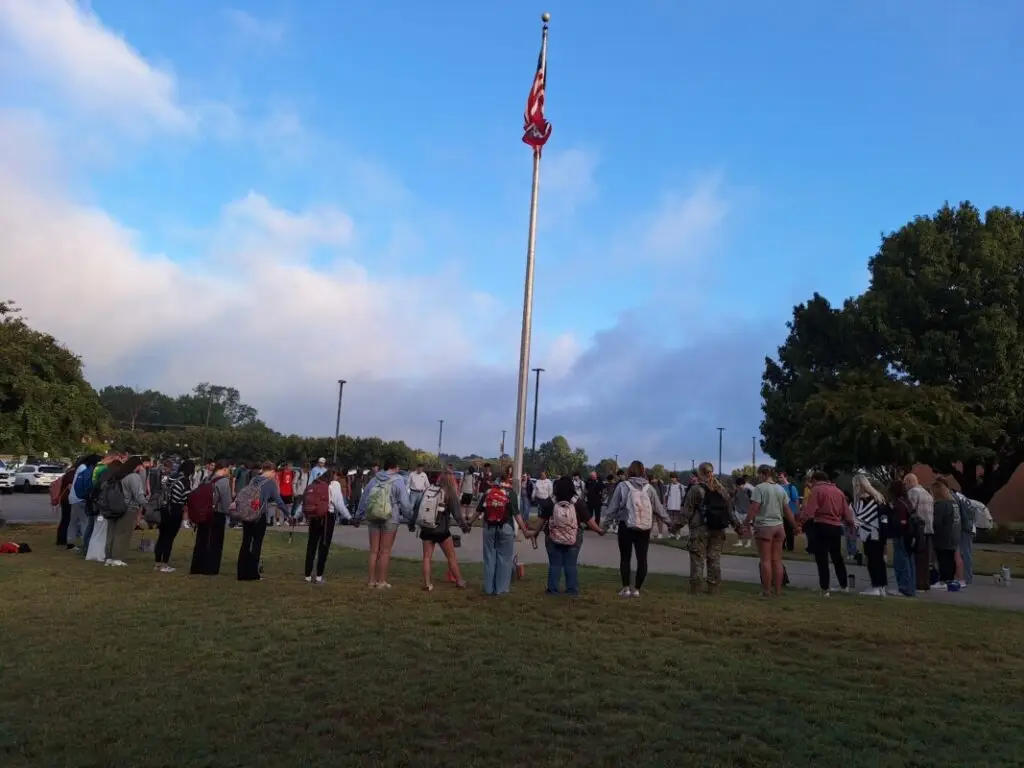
<point>83,484</point>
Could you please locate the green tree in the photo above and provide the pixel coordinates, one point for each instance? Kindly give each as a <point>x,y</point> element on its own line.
<point>924,367</point>
<point>606,467</point>
<point>558,457</point>
<point>658,472</point>
<point>45,402</point>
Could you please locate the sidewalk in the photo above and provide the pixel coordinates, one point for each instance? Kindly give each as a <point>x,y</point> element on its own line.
<point>603,552</point>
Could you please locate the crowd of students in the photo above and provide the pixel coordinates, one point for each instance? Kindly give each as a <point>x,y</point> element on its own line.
<point>103,499</point>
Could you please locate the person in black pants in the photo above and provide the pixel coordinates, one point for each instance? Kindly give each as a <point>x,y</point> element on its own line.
<point>595,496</point>
<point>253,532</point>
<point>178,489</point>
<point>623,512</point>
<point>828,544</point>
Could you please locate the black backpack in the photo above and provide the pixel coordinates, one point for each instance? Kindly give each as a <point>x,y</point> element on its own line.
<point>715,510</point>
<point>111,503</point>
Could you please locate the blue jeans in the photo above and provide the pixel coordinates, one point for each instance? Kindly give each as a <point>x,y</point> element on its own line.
<point>499,549</point>
<point>851,546</point>
<point>524,507</point>
<point>967,556</point>
<point>89,528</point>
<point>562,558</point>
<point>416,497</point>
<point>903,565</point>
<point>79,522</point>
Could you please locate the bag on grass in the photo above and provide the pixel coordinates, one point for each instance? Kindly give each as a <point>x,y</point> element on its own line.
<point>432,507</point>
<point>564,525</point>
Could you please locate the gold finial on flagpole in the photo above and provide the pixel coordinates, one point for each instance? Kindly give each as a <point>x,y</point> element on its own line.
<point>545,17</point>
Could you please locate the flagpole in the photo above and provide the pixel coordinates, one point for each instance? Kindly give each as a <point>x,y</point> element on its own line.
<point>524,342</point>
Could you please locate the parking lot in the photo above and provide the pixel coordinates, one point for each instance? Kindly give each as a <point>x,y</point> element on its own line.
<point>27,508</point>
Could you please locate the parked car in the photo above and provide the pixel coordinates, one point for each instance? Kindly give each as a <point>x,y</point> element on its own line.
<point>36,477</point>
<point>6,480</point>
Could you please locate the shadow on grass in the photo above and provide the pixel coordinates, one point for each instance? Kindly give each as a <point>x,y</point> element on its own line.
<point>103,666</point>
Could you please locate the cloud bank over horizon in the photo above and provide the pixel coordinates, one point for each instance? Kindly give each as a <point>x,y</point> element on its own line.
<point>280,299</point>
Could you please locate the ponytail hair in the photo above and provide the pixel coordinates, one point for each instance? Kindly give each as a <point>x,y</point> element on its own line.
<point>706,471</point>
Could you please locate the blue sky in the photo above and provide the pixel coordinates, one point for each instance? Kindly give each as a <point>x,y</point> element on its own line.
<point>352,173</point>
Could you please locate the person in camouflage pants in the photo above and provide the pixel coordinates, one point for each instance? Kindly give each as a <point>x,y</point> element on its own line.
<point>705,545</point>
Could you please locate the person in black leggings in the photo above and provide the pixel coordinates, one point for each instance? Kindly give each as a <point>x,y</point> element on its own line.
<point>828,510</point>
<point>634,525</point>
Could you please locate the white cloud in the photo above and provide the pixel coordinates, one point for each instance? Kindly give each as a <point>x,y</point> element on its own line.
<point>682,227</point>
<point>255,217</point>
<point>252,28</point>
<point>66,45</point>
<point>567,179</point>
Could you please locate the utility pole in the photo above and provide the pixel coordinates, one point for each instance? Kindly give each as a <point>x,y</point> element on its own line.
<point>440,433</point>
<point>337,423</point>
<point>206,429</point>
<point>720,431</point>
<point>536,400</point>
<point>753,454</point>
<point>693,465</point>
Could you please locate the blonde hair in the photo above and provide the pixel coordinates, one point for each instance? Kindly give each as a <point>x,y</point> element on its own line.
<point>941,491</point>
<point>706,470</point>
<point>862,487</point>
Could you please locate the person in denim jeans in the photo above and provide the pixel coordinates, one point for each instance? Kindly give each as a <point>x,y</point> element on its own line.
<point>563,558</point>
<point>500,507</point>
<point>903,548</point>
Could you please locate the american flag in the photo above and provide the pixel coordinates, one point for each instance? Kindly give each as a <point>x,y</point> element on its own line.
<point>536,129</point>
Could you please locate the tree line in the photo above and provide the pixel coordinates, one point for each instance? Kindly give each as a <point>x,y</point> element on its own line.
<point>924,367</point>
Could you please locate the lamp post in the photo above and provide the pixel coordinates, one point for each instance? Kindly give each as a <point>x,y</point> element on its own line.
<point>536,401</point>
<point>440,433</point>
<point>753,455</point>
<point>720,431</point>
<point>337,422</point>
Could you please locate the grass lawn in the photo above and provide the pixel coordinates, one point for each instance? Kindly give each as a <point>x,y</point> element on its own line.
<point>102,667</point>
<point>985,563</point>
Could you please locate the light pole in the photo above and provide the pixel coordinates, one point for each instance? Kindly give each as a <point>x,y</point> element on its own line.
<point>536,401</point>
<point>502,447</point>
<point>440,433</point>
<point>337,422</point>
<point>720,431</point>
<point>693,465</point>
<point>206,429</point>
<point>753,455</point>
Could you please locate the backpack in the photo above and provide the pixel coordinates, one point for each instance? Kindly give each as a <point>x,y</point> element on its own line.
<point>56,491</point>
<point>201,503</point>
<point>111,503</point>
<point>564,526</point>
<point>378,503</point>
<point>639,511</point>
<point>248,506</point>
<point>83,484</point>
<point>432,507</point>
<point>316,501</point>
<point>496,505</point>
<point>967,513</point>
<point>715,510</point>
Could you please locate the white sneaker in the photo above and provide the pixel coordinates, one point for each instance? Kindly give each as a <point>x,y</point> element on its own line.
<point>383,585</point>
<point>873,592</point>
<point>626,592</point>
<point>963,585</point>
<point>318,580</point>
<point>108,561</point>
<point>825,593</point>
<point>309,579</point>
<point>636,593</point>
<point>167,569</point>
<point>119,563</point>
<point>746,544</point>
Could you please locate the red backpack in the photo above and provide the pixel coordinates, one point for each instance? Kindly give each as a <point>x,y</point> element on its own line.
<point>496,505</point>
<point>316,501</point>
<point>200,504</point>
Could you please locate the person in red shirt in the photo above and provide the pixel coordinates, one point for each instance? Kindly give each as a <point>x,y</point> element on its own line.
<point>286,483</point>
<point>826,511</point>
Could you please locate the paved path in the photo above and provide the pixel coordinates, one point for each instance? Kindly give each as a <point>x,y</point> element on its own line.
<point>603,552</point>
<point>597,551</point>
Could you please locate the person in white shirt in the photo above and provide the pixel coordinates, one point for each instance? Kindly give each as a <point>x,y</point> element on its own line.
<point>418,484</point>
<point>543,488</point>
<point>741,504</point>
<point>674,495</point>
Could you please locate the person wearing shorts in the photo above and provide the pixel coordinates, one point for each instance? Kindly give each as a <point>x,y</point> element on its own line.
<point>382,532</point>
<point>769,509</point>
